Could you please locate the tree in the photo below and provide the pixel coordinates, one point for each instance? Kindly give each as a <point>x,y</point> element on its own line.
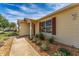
<point>13,26</point>
<point>4,23</point>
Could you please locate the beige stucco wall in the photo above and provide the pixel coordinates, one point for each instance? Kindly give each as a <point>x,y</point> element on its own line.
<point>37,28</point>
<point>67,29</point>
<point>23,29</point>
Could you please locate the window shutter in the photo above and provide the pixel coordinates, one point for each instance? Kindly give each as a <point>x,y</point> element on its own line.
<point>54,26</point>
<point>39,26</point>
<point>34,29</point>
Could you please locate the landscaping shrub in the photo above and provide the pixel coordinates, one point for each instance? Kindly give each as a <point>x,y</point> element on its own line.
<point>62,52</point>
<point>34,39</point>
<point>36,35</point>
<point>11,34</point>
<point>44,46</point>
<point>14,34</point>
<point>51,40</point>
<point>38,42</point>
<point>57,53</point>
<point>41,36</point>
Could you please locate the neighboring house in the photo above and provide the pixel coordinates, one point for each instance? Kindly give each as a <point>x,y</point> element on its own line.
<point>63,24</point>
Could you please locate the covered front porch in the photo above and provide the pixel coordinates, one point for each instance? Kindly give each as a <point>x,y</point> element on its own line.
<point>26,28</point>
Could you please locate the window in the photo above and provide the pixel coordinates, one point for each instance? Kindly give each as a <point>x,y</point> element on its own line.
<point>43,26</point>
<point>48,23</point>
<point>49,26</point>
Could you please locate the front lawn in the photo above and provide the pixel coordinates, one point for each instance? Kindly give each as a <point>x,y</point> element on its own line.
<point>5,35</point>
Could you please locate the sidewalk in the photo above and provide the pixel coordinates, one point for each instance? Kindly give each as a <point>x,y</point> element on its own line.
<point>21,47</point>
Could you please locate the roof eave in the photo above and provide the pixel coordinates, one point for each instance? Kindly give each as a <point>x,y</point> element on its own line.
<point>57,11</point>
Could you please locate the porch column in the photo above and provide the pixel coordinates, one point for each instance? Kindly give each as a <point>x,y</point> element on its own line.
<point>30,29</point>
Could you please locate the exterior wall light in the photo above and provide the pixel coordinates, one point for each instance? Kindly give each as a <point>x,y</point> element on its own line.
<point>74,15</point>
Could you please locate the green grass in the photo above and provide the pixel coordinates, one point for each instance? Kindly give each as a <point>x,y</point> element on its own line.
<point>5,35</point>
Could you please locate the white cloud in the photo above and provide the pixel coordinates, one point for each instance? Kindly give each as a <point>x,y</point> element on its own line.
<point>27,9</point>
<point>44,13</point>
<point>13,12</point>
<point>40,12</point>
<point>10,4</point>
<point>24,8</point>
<point>57,6</point>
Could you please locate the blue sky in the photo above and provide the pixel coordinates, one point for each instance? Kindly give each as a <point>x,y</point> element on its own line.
<point>14,11</point>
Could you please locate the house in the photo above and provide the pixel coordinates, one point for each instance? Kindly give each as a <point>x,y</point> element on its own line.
<point>63,24</point>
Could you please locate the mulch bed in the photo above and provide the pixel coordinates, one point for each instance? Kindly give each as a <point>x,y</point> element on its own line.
<point>56,45</point>
<point>53,48</point>
<point>38,49</point>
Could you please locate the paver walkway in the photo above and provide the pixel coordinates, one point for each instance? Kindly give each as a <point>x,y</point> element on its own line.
<point>21,47</point>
